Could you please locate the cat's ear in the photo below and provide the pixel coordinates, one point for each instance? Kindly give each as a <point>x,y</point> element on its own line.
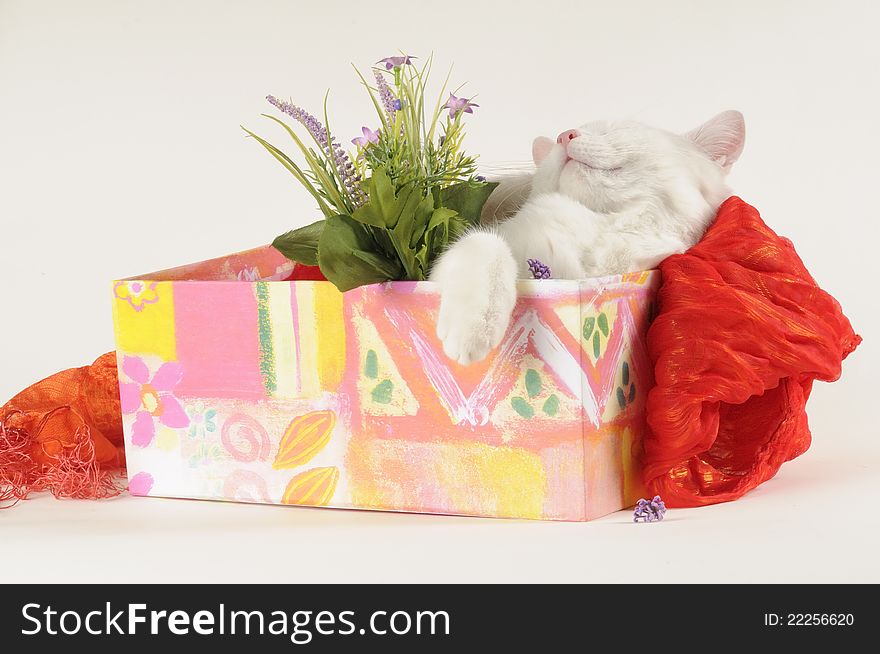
<point>541,147</point>
<point>721,137</point>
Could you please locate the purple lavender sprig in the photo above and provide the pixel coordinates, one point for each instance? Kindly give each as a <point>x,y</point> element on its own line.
<point>538,269</point>
<point>389,102</point>
<point>649,510</point>
<point>333,152</point>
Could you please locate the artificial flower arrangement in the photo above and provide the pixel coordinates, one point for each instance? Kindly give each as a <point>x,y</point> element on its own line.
<point>393,204</point>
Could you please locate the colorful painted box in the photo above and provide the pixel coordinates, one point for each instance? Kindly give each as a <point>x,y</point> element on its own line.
<point>237,385</point>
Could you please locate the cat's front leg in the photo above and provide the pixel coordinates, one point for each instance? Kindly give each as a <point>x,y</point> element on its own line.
<point>477,279</point>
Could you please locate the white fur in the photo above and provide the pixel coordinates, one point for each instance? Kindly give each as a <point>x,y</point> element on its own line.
<point>619,197</point>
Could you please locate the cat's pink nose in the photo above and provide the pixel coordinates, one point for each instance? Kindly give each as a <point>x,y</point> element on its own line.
<point>567,136</point>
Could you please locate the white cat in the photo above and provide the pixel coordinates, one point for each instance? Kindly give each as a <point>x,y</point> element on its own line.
<point>606,198</point>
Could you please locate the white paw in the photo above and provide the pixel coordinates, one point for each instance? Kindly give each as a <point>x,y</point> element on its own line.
<point>477,283</point>
<point>469,336</point>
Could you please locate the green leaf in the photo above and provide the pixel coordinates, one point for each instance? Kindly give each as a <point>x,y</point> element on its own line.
<point>385,208</point>
<point>420,221</point>
<point>437,234</point>
<point>301,244</point>
<point>632,392</point>
<point>382,392</point>
<point>467,199</point>
<point>522,407</point>
<point>440,216</point>
<point>422,258</point>
<point>589,325</point>
<point>379,262</point>
<point>295,170</point>
<point>371,365</point>
<point>327,178</point>
<point>407,232</point>
<point>603,323</point>
<point>533,382</point>
<point>597,345</point>
<point>551,405</point>
<point>625,373</point>
<point>346,254</point>
<point>621,398</point>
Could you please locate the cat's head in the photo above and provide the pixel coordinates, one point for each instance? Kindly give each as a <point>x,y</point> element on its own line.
<point>616,167</point>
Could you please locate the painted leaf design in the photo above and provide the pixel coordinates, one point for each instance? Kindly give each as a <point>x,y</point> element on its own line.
<point>306,435</point>
<point>597,345</point>
<point>533,382</point>
<point>621,398</point>
<point>603,323</point>
<point>383,392</point>
<point>589,325</point>
<point>371,366</point>
<point>551,405</point>
<point>625,373</point>
<point>522,407</point>
<point>313,487</point>
<point>632,392</point>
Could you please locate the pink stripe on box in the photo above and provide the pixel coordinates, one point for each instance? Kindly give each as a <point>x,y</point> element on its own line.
<point>217,340</point>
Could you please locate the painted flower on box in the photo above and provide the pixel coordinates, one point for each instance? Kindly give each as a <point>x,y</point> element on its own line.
<point>205,455</point>
<point>249,274</point>
<point>151,398</point>
<point>201,420</point>
<point>137,294</point>
<point>140,484</point>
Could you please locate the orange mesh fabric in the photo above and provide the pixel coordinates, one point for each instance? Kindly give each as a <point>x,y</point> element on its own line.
<point>64,435</point>
<point>742,332</point>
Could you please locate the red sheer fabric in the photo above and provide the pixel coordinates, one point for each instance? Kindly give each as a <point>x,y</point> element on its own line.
<point>742,332</point>
<point>64,435</point>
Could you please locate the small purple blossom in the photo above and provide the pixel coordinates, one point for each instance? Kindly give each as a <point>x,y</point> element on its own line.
<point>481,178</point>
<point>538,269</point>
<point>331,149</point>
<point>369,136</point>
<point>649,510</point>
<point>396,62</point>
<point>397,104</point>
<point>456,105</point>
<point>389,102</point>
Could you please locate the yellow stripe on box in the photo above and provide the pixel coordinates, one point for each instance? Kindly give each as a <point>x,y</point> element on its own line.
<point>321,337</point>
<point>144,322</point>
<point>331,336</point>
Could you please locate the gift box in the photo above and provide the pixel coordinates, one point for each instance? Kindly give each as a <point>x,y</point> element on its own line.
<point>239,385</point>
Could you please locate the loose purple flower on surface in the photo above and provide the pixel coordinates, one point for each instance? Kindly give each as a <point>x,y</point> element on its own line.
<point>649,510</point>
<point>396,62</point>
<point>455,105</point>
<point>538,269</point>
<point>369,136</point>
<point>331,149</point>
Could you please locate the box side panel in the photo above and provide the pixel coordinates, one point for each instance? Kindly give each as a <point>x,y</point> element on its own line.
<point>500,437</point>
<point>230,386</point>
<point>615,314</point>
<point>294,393</point>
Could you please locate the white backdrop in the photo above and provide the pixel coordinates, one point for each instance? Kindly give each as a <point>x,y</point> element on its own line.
<point>121,153</point>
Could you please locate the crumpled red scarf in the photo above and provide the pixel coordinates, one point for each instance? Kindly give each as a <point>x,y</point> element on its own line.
<point>64,435</point>
<point>742,332</point>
